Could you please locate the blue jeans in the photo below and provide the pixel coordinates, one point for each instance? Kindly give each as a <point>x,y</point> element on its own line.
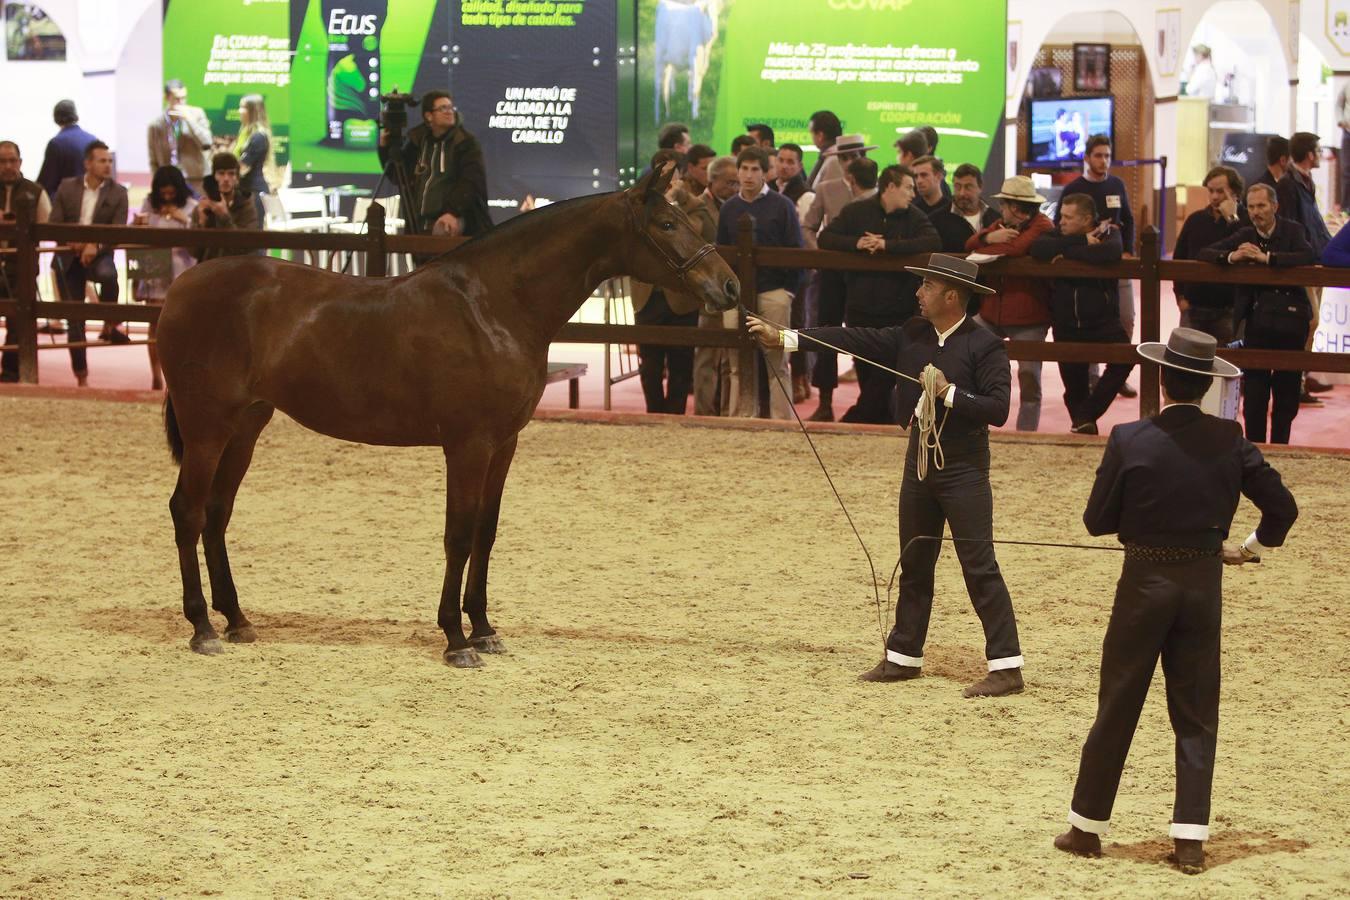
<point>1028,372</point>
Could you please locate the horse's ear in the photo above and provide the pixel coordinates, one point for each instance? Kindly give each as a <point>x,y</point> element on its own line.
<point>654,182</point>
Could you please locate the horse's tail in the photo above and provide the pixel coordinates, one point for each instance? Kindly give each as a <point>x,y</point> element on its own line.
<point>171,430</point>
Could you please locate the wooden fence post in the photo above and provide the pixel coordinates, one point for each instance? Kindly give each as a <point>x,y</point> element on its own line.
<point>1150,318</point>
<point>23,330</point>
<point>376,257</point>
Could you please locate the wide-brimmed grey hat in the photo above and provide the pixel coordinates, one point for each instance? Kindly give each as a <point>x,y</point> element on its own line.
<point>954,269</point>
<point>849,143</point>
<point>1190,351</point>
<point>1019,187</point>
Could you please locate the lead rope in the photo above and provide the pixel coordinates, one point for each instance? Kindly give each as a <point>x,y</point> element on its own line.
<point>930,376</point>
<point>930,430</point>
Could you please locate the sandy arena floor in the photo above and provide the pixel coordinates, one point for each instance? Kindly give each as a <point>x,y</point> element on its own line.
<point>679,713</point>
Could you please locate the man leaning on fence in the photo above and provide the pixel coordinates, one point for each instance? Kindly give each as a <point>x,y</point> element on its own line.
<point>1085,309</point>
<point>1269,317</point>
<point>18,196</point>
<point>775,225</point>
<point>1209,307</point>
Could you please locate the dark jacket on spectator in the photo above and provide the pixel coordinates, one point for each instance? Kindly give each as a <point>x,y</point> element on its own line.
<point>1299,204</point>
<point>1082,305</point>
<point>1202,229</point>
<point>1101,193</point>
<point>1287,246</point>
<point>243,216</point>
<point>448,176</point>
<point>886,295</point>
<point>794,189</point>
<point>1020,300</point>
<point>64,158</point>
<point>955,230</point>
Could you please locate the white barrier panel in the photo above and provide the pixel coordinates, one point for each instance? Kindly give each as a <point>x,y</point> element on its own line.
<point>1222,398</point>
<point>1333,328</point>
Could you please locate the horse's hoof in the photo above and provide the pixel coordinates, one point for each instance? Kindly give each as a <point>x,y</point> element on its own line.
<point>488,644</point>
<point>210,646</point>
<point>463,659</point>
<point>244,634</point>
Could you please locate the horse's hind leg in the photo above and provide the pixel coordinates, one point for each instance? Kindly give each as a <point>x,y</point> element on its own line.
<point>230,472</point>
<point>483,637</point>
<point>188,507</point>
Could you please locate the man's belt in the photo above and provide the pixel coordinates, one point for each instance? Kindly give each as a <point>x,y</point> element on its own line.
<point>1167,554</point>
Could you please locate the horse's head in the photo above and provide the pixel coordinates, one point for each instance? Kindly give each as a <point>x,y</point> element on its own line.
<point>667,250</point>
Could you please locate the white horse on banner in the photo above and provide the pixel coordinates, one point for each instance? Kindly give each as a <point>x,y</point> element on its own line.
<point>683,39</point>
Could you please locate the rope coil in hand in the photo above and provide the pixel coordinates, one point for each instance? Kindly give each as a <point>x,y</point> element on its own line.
<point>930,429</point>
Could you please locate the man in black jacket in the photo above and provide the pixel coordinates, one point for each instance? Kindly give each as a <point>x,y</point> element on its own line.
<point>1267,316</point>
<point>973,382</point>
<point>1209,307</point>
<point>1169,486</point>
<point>1085,309</point>
<point>968,214</point>
<point>17,195</point>
<point>886,223</point>
<point>444,167</point>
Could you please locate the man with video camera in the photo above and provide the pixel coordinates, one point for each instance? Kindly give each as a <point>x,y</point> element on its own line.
<point>443,182</point>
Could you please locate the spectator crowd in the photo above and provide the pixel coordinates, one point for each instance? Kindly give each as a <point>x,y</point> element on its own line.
<point>845,201</point>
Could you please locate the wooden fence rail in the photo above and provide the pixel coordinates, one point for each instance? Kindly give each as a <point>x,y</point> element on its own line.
<point>23,245</point>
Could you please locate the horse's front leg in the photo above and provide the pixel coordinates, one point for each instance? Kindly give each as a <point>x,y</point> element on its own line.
<point>483,637</point>
<point>465,470</point>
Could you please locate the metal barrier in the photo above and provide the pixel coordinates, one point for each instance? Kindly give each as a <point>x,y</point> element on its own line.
<point>1149,269</point>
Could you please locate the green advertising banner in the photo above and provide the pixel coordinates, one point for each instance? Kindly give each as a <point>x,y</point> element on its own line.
<point>883,66</point>
<point>223,50</point>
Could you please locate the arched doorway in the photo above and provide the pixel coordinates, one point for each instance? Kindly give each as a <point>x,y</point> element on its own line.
<point>1091,55</point>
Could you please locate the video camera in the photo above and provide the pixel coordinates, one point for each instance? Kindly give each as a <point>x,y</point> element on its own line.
<point>394,112</point>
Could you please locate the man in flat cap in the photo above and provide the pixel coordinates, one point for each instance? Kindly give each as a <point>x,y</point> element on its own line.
<point>973,381</point>
<point>1169,486</point>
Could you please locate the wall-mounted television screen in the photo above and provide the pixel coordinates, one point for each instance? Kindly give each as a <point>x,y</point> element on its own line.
<point>1061,126</point>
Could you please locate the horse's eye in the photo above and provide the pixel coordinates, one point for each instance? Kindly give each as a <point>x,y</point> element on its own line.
<point>667,226</point>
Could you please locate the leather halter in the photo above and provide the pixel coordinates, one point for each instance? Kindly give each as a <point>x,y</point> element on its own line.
<point>679,268</point>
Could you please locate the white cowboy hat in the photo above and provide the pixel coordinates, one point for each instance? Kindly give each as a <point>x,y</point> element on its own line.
<point>848,143</point>
<point>1189,351</point>
<point>1019,187</point>
<point>954,269</point>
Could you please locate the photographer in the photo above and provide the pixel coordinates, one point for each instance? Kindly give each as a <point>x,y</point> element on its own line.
<point>446,184</point>
<point>225,205</point>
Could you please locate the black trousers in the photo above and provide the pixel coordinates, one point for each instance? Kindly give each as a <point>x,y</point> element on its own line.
<point>829,312</point>
<point>1172,610</point>
<point>1259,388</point>
<point>959,495</point>
<point>1088,403</point>
<point>656,361</point>
<point>876,388</point>
<point>9,359</point>
<point>73,276</point>
<point>1214,321</point>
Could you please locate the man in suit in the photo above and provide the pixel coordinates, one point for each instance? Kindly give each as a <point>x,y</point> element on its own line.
<point>180,136</point>
<point>1268,317</point>
<point>1169,486</point>
<point>973,382</point>
<point>94,199</point>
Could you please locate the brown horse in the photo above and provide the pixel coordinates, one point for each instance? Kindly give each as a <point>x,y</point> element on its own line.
<point>454,356</point>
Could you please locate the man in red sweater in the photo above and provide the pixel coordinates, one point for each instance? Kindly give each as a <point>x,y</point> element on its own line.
<point>1020,311</point>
